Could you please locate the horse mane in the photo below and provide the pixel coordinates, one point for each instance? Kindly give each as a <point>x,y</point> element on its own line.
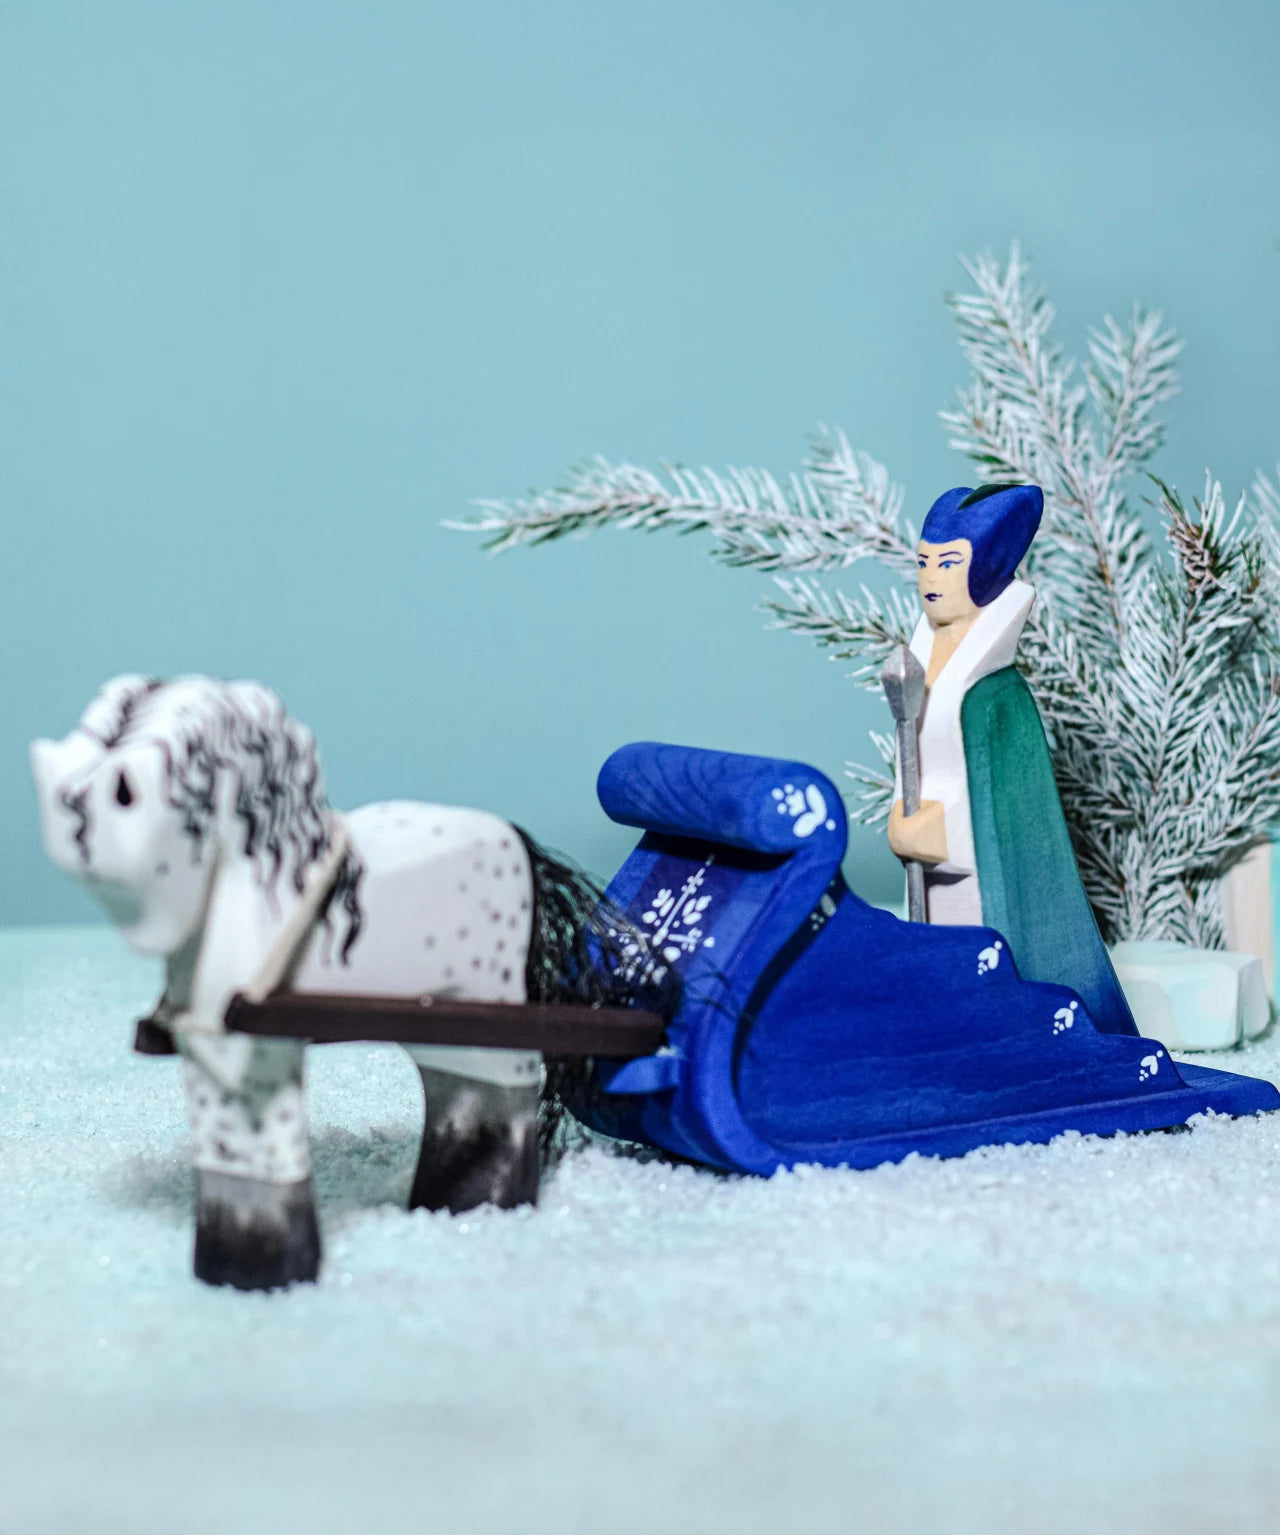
<point>108,717</point>
<point>237,738</point>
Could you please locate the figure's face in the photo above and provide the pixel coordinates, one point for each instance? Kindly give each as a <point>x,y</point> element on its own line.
<point>943,577</point>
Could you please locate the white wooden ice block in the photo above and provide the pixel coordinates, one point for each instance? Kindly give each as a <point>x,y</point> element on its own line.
<point>1193,999</point>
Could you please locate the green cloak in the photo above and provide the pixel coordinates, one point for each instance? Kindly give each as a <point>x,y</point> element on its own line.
<point>1027,873</point>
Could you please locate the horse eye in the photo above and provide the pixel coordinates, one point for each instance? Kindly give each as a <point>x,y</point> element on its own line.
<point>124,791</point>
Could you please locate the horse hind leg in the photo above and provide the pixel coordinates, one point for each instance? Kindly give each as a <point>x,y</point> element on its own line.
<point>480,1136</point>
<point>256,1223</point>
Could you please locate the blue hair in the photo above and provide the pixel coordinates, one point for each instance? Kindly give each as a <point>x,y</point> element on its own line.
<point>998,520</point>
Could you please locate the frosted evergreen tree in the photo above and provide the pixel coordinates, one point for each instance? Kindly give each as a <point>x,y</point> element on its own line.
<point>1155,661</point>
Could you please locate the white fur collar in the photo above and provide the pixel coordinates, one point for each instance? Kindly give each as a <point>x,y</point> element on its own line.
<point>951,889</point>
<point>990,644</point>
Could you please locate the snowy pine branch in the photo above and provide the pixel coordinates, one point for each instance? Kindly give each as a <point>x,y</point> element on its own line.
<point>1168,762</point>
<point>858,488</point>
<point>874,799</point>
<point>844,510</point>
<point>864,628</point>
<point>1266,497</point>
<point>1021,417</point>
<point>1264,504</point>
<point>1024,416</point>
<point>1133,372</point>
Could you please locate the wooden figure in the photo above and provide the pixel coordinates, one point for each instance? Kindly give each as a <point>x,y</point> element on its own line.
<point>990,831</point>
<point>195,812</point>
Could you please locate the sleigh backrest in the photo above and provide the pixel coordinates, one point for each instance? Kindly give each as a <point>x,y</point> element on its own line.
<point>726,886</point>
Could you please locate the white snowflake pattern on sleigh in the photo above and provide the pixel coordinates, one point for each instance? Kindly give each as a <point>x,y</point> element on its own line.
<point>672,929</point>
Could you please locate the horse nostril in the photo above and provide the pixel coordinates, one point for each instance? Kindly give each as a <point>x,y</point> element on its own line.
<point>124,792</point>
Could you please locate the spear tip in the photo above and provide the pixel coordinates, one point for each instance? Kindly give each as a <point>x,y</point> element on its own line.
<point>903,681</point>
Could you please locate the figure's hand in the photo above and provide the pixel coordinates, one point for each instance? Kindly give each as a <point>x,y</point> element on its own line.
<point>922,836</point>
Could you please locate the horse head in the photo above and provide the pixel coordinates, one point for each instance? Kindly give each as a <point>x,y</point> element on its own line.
<point>161,785</point>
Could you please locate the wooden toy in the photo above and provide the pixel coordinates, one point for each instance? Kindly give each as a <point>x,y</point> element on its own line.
<point>815,1028</point>
<point>195,812</point>
<point>786,1020</point>
<point>990,829</point>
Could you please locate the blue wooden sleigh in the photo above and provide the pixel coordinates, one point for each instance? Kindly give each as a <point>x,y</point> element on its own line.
<point>814,1028</point>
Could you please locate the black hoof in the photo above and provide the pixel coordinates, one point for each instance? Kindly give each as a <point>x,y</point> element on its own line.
<point>152,1038</point>
<point>255,1235</point>
<point>480,1145</point>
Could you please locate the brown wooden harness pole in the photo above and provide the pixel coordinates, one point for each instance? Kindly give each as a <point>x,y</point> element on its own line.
<point>326,1018</point>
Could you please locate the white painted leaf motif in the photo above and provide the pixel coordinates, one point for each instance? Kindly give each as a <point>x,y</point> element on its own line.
<point>1149,1065</point>
<point>671,928</point>
<point>989,958</point>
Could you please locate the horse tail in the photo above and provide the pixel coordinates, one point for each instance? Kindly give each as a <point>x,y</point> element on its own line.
<point>578,953</point>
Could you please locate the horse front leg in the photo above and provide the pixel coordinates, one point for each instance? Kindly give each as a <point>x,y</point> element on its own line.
<point>255,1209</point>
<point>480,1136</point>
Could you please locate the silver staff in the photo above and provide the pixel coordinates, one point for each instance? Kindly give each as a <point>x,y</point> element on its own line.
<point>903,683</point>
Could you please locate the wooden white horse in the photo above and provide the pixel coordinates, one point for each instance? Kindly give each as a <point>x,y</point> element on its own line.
<point>195,812</point>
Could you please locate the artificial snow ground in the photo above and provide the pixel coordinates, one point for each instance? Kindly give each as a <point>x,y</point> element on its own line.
<point>1082,1336</point>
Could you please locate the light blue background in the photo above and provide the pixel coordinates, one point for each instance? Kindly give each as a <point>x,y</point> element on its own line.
<point>283,286</point>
